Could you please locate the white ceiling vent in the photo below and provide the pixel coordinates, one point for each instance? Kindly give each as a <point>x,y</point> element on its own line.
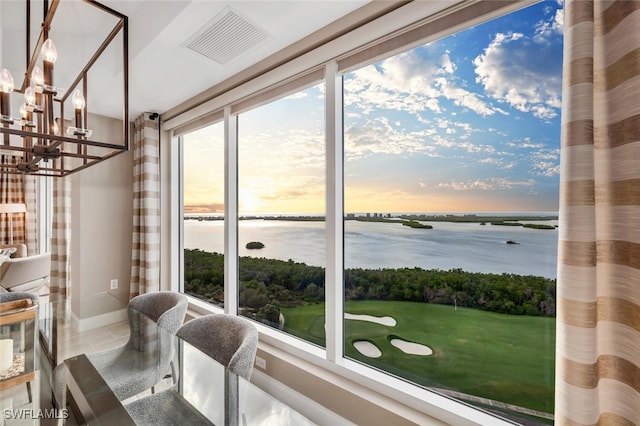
<point>225,37</point>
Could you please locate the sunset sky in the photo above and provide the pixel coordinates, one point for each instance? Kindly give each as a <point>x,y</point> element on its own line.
<point>469,123</point>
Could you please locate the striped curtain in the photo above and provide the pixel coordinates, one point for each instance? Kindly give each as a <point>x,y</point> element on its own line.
<point>12,192</point>
<point>60,282</point>
<point>145,262</point>
<point>598,327</point>
<point>30,199</point>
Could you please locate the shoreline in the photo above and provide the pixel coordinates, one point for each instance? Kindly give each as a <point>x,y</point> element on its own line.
<point>399,218</point>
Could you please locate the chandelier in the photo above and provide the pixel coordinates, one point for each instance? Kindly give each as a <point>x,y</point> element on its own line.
<point>51,130</point>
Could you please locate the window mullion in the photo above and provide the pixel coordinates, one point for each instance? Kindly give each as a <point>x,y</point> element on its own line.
<point>231,212</point>
<point>334,299</point>
<point>177,212</point>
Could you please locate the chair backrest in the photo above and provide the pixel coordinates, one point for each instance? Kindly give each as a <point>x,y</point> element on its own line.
<point>167,308</point>
<point>230,340</point>
<point>14,272</point>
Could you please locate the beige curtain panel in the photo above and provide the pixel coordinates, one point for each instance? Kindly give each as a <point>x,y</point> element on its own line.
<point>598,334</point>
<point>30,194</point>
<point>12,192</point>
<point>145,261</point>
<point>60,282</point>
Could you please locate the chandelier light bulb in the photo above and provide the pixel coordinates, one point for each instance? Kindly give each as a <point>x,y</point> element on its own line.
<point>37,76</point>
<point>77,100</point>
<point>29,96</point>
<point>23,110</point>
<point>54,128</point>
<point>6,87</point>
<point>49,52</point>
<point>78,103</point>
<point>6,81</point>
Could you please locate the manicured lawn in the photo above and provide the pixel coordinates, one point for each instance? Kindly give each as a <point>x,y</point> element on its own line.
<point>507,358</point>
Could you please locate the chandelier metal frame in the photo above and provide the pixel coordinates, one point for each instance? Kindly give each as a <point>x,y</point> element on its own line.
<point>46,151</point>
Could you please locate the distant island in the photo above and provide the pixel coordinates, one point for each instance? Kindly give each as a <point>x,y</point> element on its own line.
<point>254,245</point>
<point>538,226</point>
<point>524,225</point>
<point>416,225</point>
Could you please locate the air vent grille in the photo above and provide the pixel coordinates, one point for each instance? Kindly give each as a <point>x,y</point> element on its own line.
<point>225,37</point>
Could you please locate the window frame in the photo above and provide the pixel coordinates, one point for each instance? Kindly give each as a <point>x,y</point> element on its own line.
<point>359,50</point>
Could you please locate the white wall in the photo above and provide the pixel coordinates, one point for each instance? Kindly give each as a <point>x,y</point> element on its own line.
<point>102,222</point>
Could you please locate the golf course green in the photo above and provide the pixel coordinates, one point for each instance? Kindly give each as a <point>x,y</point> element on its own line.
<point>507,358</point>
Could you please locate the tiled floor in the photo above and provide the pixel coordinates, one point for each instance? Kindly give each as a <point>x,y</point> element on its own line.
<point>70,343</point>
<point>73,343</point>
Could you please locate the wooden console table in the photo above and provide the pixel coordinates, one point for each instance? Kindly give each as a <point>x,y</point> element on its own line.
<point>17,326</point>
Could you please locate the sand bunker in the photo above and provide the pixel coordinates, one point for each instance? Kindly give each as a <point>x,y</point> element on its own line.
<point>370,350</point>
<point>388,321</point>
<point>367,348</point>
<point>411,348</point>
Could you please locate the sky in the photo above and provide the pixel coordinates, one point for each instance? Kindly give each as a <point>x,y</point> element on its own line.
<point>468,123</point>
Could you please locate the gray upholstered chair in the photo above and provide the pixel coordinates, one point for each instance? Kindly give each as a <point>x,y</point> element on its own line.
<point>25,273</point>
<point>230,340</point>
<point>145,359</point>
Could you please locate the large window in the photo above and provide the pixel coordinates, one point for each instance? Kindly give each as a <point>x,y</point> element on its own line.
<point>448,155</point>
<point>451,195</point>
<point>281,196</point>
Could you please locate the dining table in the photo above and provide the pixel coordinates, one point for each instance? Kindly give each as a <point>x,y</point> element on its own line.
<point>199,390</point>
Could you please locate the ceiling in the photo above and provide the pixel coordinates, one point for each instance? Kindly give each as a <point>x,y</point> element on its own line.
<point>163,70</point>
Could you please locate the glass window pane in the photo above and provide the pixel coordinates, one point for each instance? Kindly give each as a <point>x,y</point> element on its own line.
<point>281,197</point>
<point>203,192</point>
<point>451,200</point>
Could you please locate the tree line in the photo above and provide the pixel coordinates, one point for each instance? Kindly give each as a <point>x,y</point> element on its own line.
<point>266,285</point>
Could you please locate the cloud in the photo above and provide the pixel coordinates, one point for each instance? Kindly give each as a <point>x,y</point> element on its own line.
<point>283,150</point>
<point>447,66</point>
<point>463,97</point>
<point>525,72</point>
<point>546,162</point>
<point>460,143</point>
<point>204,208</point>
<point>546,168</point>
<point>526,143</point>
<point>277,190</point>
<point>500,162</point>
<point>545,30</point>
<point>433,105</point>
<point>491,184</point>
<point>413,81</point>
<point>379,136</point>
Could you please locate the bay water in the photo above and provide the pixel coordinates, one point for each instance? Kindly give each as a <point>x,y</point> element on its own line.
<point>371,245</point>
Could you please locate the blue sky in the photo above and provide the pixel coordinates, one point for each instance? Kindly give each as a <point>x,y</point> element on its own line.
<point>468,123</point>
